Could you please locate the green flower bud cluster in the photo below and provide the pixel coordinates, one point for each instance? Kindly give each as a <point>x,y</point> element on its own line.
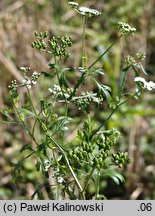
<point>88,146</point>
<point>104,145</point>
<point>59,45</point>
<point>130,60</point>
<point>54,117</point>
<point>41,35</point>
<point>84,100</point>
<point>39,44</point>
<point>56,46</point>
<point>96,151</point>
<point>105,142</point>
<point>120,159</point>
<point>78,155</point>
<point>108,139</point>
<point>113,134</point>
<point>125,28</point>
<point>141,56</point>
<point>100,162</point>
<point>84,152</point>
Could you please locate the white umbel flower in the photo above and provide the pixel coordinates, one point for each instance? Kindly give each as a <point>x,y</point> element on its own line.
<point>147,85</point>
<point>35,73</point>
<point>73,4</point>
<point>26,82</point>
<point>85,11</point>
<point>125,28</point>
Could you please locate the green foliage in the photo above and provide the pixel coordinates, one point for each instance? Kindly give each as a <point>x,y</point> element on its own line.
<point>73,164</point>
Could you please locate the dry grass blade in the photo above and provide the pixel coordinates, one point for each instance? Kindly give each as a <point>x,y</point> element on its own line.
<point>10,67</point>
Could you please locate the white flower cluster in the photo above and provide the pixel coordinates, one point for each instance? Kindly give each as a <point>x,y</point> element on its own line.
<point>35,76</point>
<point>73,4</point>
<point>28,82</point>
<point>147,85</point>
<point>47,165</point>
<point>88,11</point>
<point>13,85</point>
<point>125,28</point>
<point>85,11</point>
<point>25,69</point>
<point>57,92</point>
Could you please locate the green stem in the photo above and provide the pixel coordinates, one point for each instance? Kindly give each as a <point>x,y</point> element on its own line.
<point>97,185</point>
<point>83,43</point>
<point>31,102</point>
<point>88,179</point>
<point>67,161</point>
<point>77,85</point>
<point>114,110</point>
<point>33,129</point>
<point>104,52</point>
<point>62,90</point>
<point>23,123</point>
<point>84,73</point>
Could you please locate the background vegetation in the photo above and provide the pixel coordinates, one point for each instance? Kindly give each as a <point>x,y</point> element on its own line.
<point>18,20</point>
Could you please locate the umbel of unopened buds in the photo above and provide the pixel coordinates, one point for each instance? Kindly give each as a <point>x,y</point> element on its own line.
<point>83,101</point>
<point>125,28</point>
<point>120,159</point>
<point>56,45</point>
<point>27,81</point>
<point>85,11</point>
<point>59,45</point>
<point>97,152</point>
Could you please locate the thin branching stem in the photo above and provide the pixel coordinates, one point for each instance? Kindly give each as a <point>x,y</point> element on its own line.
<point>88,179</point>
<point>24,125</point>
<point>104,52</point>
<point>68,163</point>
<point>84,73</point>
<point>113,111</point>
<point>83,43</point>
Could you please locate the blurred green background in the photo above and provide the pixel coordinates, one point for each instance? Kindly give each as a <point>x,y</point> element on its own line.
<point>18,21</point>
